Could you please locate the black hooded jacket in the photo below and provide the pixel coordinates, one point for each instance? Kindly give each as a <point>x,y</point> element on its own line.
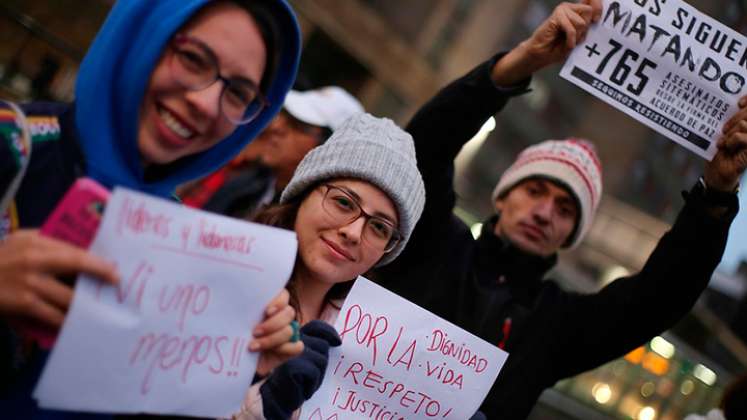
<point>498,292</point>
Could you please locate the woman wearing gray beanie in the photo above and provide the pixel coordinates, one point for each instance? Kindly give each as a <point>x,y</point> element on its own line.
<point>353,203</point>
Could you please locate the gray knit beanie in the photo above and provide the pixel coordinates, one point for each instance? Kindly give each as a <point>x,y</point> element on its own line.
<point>374,150</point>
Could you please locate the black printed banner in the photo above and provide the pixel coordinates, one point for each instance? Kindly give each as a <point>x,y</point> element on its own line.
<point>665,64</point>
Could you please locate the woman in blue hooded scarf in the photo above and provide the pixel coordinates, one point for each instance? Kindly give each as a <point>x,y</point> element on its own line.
<point>169,91</point>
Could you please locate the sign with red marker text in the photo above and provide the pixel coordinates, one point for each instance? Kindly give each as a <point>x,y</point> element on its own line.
<point>399,361</point>
<point>666,64</point>
<point>172,338</point>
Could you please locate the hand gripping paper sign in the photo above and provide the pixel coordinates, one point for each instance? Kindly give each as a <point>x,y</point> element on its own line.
<point>398,361</point>
<point>665,64</point>
<point>172,337</point>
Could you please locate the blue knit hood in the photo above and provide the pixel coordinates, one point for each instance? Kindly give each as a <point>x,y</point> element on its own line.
<point>115,73</point>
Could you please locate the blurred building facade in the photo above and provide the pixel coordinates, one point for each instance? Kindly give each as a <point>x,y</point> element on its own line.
<point>394,55</point>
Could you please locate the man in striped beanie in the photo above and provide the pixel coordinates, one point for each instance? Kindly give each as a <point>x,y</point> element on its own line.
<point>548,197</point>
<point>496,286</point>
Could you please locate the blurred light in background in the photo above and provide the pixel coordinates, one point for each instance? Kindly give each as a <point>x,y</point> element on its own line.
<point>647,389</point>
<point>469,150</point>
<point>706,375</point>
<point>662,347</point>
<point>687,387</point>
<point>601,392</point>
<point>476,229</point>
<point>613,273</point>
<point>647,413</point>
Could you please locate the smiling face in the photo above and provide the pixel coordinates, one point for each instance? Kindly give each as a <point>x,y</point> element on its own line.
<point>332,251</point>
<point>537,216</point>
<point>176,122</point>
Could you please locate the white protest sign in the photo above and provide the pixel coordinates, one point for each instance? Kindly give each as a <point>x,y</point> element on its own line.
<point>172,337</point>
<point>399,361</point>
<point>665,64</point>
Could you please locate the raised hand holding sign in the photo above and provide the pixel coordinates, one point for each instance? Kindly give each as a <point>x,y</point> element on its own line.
<point>667,65</point>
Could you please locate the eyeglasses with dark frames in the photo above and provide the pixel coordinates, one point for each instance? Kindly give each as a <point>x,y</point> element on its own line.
<point>194,65</point>
<point>342,207</point>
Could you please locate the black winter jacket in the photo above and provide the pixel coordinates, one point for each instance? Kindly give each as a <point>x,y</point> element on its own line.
<point>497,292</point>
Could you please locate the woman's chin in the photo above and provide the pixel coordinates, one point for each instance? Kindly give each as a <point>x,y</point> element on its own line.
<point>329,273</point>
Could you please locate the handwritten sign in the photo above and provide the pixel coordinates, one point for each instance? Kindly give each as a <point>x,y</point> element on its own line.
<point>665,64</point>
<point>398,361</point>
<point>172,337</point>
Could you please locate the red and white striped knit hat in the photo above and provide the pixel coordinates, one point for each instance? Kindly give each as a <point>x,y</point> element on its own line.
<point>573,163</point>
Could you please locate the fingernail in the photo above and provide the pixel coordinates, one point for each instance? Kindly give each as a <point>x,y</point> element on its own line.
<point>259,331</point>
<point>272,309</point>
<point>253,346</point>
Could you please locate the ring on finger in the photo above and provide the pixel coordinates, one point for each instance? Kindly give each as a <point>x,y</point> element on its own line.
<point>296,336</point>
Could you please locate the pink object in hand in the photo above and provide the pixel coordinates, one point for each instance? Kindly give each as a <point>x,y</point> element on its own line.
<point>75,220</point>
